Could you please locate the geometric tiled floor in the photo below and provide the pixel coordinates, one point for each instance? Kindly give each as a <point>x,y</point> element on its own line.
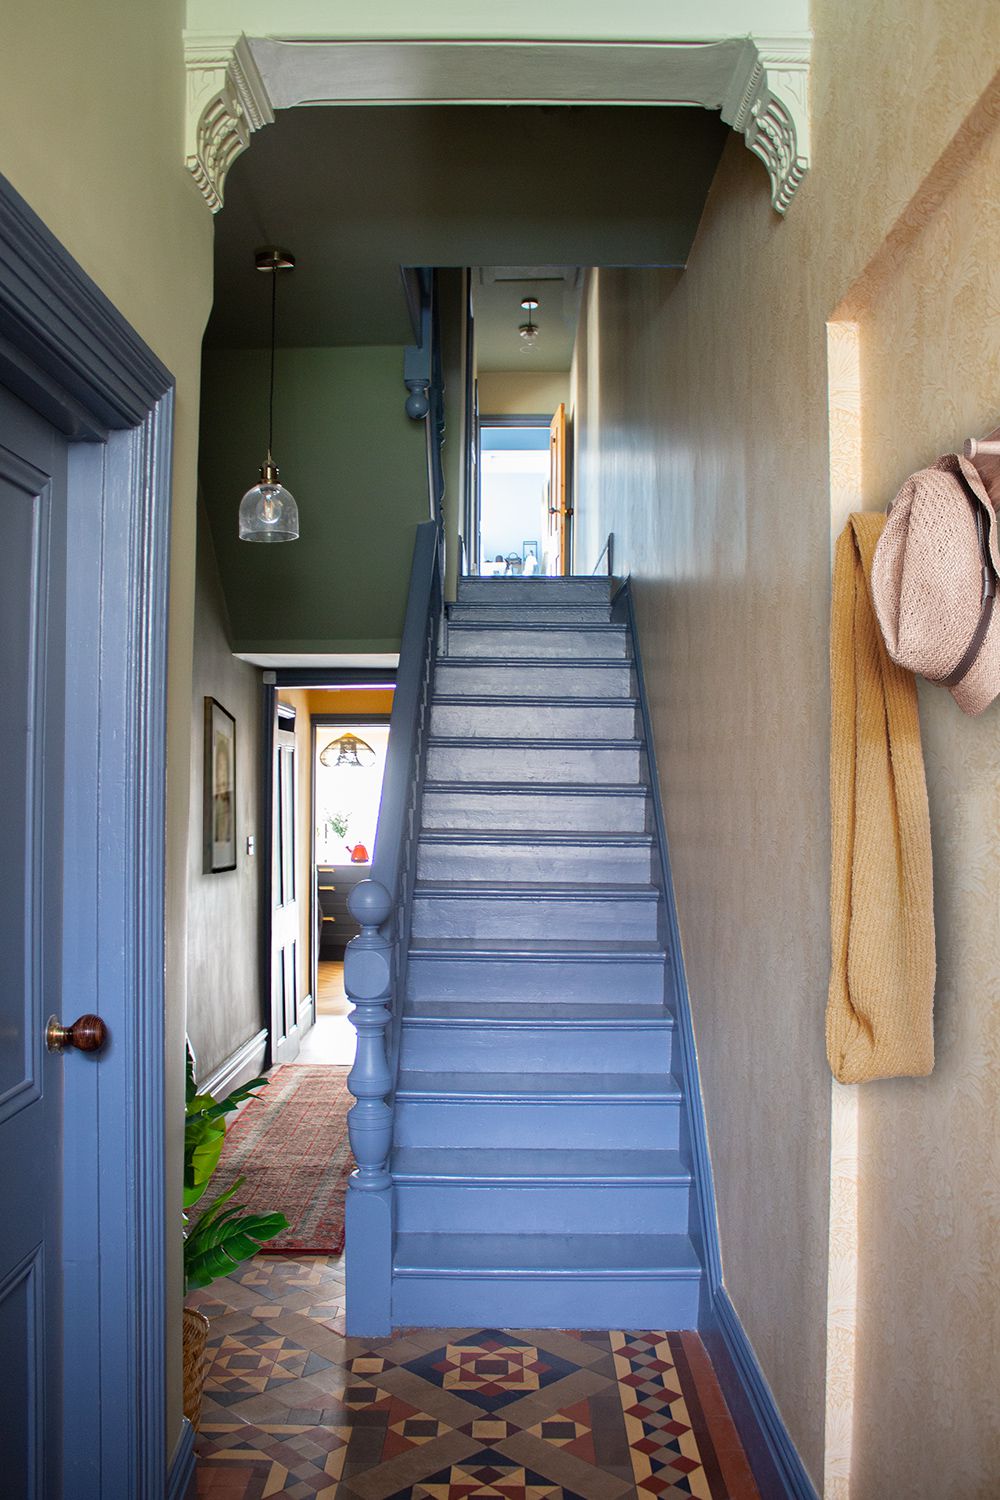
<point>294,1409</point>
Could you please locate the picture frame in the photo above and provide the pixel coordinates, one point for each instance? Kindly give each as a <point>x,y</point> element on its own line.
<point>219,818</point>
<point>527,547</point>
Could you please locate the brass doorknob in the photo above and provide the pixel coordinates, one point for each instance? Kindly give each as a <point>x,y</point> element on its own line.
<point>87,1034</point>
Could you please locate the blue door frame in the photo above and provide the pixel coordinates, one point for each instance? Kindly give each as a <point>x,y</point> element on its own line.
<point>69,354</point>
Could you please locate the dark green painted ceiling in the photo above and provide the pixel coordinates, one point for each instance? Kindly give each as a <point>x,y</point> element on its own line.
<point>355,192</point>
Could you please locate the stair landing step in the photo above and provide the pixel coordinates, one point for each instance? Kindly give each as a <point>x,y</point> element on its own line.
<point>540,1088</point>
<point>620,1256</point>
<point>489,1167</point>
<point>534,1015</point>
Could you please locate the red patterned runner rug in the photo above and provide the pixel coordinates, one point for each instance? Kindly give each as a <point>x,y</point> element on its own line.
<point>291,1145</point>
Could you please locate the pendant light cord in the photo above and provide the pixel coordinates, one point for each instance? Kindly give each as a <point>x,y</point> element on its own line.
<point>270,398</point>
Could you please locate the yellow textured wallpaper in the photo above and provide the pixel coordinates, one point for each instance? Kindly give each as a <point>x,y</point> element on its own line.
<point>704,437</point>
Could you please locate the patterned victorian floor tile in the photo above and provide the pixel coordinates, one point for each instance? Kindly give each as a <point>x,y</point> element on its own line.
<point>295,1411</point>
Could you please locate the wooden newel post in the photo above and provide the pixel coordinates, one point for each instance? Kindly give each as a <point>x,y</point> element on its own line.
<point>368,982</point>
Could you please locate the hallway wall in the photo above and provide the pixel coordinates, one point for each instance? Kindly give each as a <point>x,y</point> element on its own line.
<point>356,465</point>
<point>224,1007</point>
<point>703,437</point>
<point>92,136</point>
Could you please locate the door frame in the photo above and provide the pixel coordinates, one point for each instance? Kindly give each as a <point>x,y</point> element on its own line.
<point>272,681</point>
<point>68,353</point>
<point>519,419</point>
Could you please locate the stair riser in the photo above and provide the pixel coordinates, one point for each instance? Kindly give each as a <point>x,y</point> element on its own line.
<point>542,862</point>
<point>534,765</point>
<point>533,917</point>
<point>534,1049</point>
<point>571,1124</point>
<point>562,979</point>
<point>541,721</point>
<point>531,680</point>
<point>598,1208</point>
<point>535,812</point>
<point>513,613</point>
<point>545,1302</point>
<point>476,640</point>
<point>535,590</point>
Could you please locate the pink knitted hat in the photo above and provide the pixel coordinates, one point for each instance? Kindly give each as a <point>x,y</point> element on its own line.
<point>934,582</point>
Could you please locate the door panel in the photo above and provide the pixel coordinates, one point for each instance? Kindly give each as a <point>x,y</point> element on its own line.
<point>32,686</point>
<point>559,509</point>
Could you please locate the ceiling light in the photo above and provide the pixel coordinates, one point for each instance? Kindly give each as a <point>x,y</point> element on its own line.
<point>268,512</point>
<point>529,331</point>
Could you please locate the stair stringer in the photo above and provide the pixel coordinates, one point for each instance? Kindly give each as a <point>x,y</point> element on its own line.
<point>776,1464</point>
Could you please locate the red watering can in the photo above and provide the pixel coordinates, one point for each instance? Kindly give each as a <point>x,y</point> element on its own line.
<point>359,854</point>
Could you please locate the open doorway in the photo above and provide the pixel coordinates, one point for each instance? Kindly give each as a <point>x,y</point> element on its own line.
<point>523,329</point>
<point>327,754</point>
<point>514,496</point>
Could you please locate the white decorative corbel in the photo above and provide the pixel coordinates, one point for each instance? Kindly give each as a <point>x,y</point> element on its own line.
<point>768,100</point>
<point>226,102</point>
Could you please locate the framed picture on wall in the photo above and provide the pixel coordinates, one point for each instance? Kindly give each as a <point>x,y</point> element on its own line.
<point>220,789</point>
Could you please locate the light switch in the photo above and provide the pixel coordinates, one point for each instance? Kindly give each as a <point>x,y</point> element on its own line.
<point>251,842</point>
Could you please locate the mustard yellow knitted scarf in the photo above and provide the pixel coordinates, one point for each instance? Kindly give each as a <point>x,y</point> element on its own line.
<point>880,1006</point>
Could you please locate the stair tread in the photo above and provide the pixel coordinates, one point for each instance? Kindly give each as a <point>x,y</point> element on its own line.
<point>515,1085</point>
<point>618,950</point>
<point>485,1164</point>
<point>558,1254</point>
<point>574,625</point>
<point>544,788</point>
<point>570,890</point>
<point>531,700</point>
<point>531,1014</point>
<point>558,662</point>
<point>520,742</point>
<point>529,836</point>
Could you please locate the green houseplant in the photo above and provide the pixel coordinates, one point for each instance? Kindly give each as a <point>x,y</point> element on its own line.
<point>224,1234</point>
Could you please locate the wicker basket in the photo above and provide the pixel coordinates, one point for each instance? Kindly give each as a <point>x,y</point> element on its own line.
<point>195,1363</point>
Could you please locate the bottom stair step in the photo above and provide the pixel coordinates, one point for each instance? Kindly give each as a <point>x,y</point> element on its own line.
<point>546,1281</point>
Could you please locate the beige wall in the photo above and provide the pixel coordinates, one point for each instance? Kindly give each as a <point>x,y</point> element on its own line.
<point>518,393</point>
<point>92,136</point>
<point>704,446</point>
<point>224,1007</point>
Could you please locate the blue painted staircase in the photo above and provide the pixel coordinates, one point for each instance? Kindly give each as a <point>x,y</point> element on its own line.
<point>541,1170</point>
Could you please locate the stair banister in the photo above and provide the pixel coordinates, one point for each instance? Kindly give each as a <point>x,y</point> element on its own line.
<point>375,961</point>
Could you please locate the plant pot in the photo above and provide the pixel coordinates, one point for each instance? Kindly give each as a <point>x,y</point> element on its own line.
<point>195,1363</point>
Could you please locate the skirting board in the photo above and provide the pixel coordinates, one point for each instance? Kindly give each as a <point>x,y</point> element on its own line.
<point>181,1479</point>
<point>239,1067</point>
<point>776,1465</point>
<point>307,1014</point>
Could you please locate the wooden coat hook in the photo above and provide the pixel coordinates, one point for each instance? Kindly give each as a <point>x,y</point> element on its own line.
<point>985,454</point>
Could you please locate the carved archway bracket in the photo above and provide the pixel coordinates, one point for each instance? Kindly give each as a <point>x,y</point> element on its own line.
<point>768,101</point>
<point>226,102</point>
<point>760,85</point>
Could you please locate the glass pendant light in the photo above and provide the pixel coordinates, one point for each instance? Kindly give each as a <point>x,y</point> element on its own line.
<point>347,751</point>
<point>529,331</point>
<point>268,512</point>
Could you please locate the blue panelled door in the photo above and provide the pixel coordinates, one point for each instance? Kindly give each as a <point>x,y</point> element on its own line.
<point>33,460</point>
